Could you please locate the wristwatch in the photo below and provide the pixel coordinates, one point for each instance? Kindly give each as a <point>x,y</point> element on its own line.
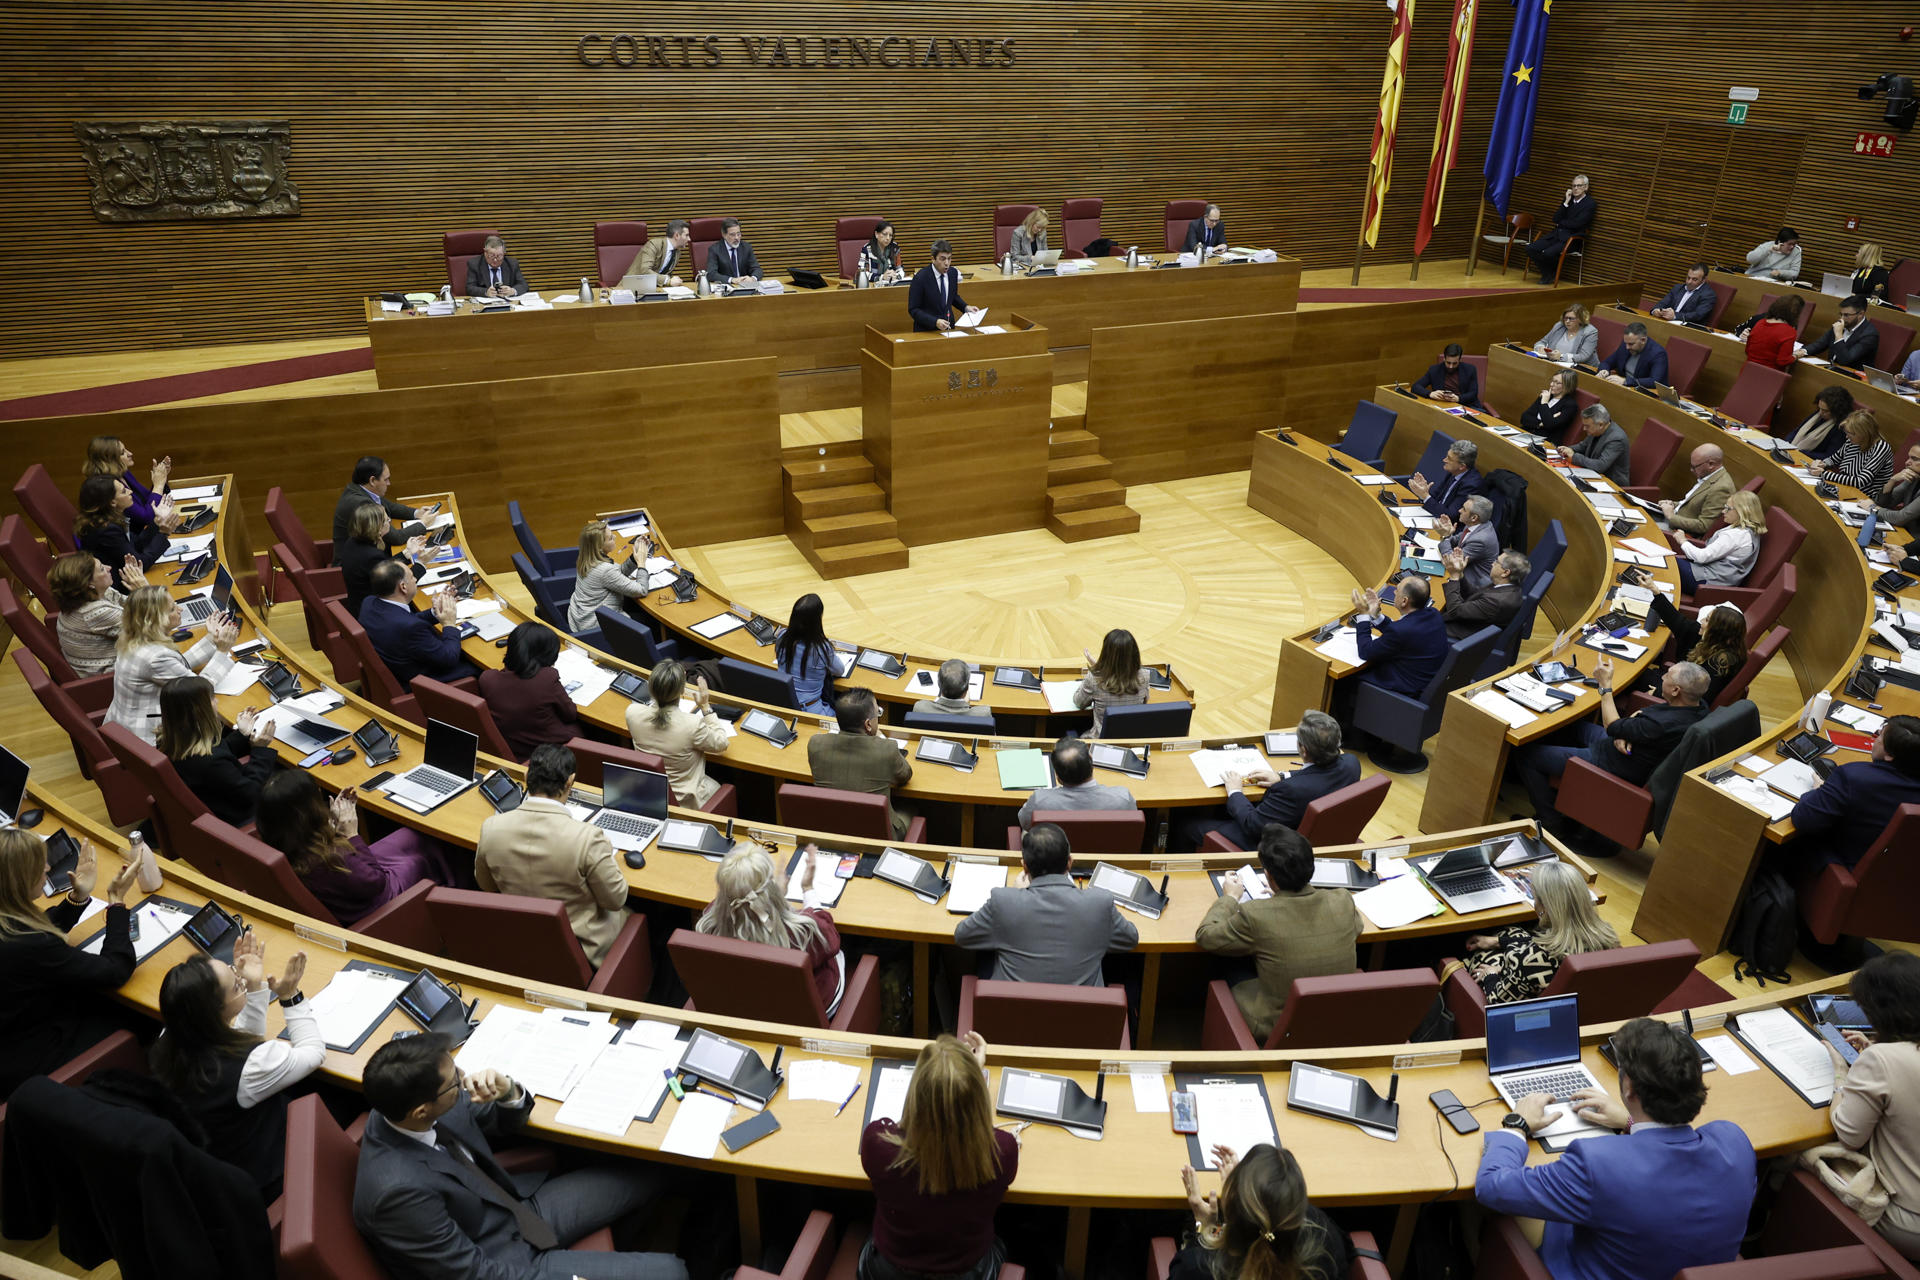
<point>298,997</point>
<point>1512,1120</point>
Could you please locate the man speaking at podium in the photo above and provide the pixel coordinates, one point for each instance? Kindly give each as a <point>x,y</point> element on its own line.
<point>935,292</point>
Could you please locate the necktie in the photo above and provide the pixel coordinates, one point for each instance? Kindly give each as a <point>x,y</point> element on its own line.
<point>733,260</point>
<point>943,292</point>
<point>666,268</point>
<point>534,1229</point>
<point>496,275</point>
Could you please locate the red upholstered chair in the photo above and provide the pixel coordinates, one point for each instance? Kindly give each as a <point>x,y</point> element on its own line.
<point>1757,659</point>
<point>846,813</point>
<point>1722,299</point>
<point>1092,831</point>
<point>1337,817</point>
<point>1807,1216</point>
<point>1080,224</point>
<point>1612,333</point>
<point>1904,280</point>
<point>1179,214</point>
<point>706,233</point>
<point>29,560</point>
<point>811,1255</point>
<point>460,248</point>
<point>463,710</point>
<point>126,799</point>
<point>47,507</point>
<point>1894,340</point>
<point>1045,1014</point>
<point>1586,400</point>
<point>1755,394</point>
<point>42,639</point>
<point>175,807</point>
<point>615,246</point>
<point>1818,1264</point>
<point>255,867</point>
<point>1806,313</point>
<point>1778,546</point>
<point>591,758</point>
<point>1006,218</point>
<point>1367,1259</point>
<point>531,936</point>
<point>1653,450</point>
<point>290,531</point>
<point>314,588</point>
<point>1626,982</point>
<point>1479,364</point>
<point>119,1051</point>
<point>1685,360</point>
<point>1328,1013</point>
<point>1874,898</point>
<point>1519,231</point>
<point>845,1262</point>
<point>772,984</point>
<point>1765,609</point>
<point>850,235</point>
<point>377,683</point>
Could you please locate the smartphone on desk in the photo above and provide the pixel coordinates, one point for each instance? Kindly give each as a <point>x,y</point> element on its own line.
<point>1186,1114</point>
<point>750,1131</point>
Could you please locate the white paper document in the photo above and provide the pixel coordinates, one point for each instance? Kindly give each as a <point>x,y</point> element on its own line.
<point>1755,793</point>
<point>1149,1092</point>
<point>187,548</point>
<point>1059,694</point>
<point>192,492</point>
<point>1498,704</point>
<point>1632,557</point>
<point>922,682</point>
<point>821,1080</point>
<point>718,625</point>
<point>625,1081</point>
<point>1646,548</point>
<point>971,318</point>
<point>347,1007</point>
<point>466,609</point>
<point>1234,1116</point>
<point>972,882</point>
<point>1393,903</point>
<point>547,1053</point>
<point>583,678</point>
<point>890,1091</point>
<point>1727,1053</point>
<point>1253,883</point>
<point>159,921</point>
<point>239,679</point>
<point>1342,646</point>
<point>1212,764</point>
<point>1791,1049</point>
<point>1791,778</point>
<point>827,887</point>
<point>696,1126</point>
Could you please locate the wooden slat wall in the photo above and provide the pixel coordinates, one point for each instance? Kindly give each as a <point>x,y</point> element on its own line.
<point>410,119</point>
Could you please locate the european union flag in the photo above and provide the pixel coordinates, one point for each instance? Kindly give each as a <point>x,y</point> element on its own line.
<point>1519,91</point>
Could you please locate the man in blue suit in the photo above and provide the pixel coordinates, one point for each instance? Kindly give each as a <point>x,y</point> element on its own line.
<point>935,292</point>
<point>1638,361</point>
<point>1839,820</point>
<point>406,638</point>
<point>1460,480</point>
<point>1208,232</point>
<point>1327,770</point>
<point>1452,381</point>
<point>1658,1197</point>
<point>1407,653</point>
<point>1689,303</point>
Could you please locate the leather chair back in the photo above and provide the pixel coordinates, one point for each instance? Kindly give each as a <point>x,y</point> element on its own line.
<point>318,1240</point>
<point>758,684</point>
<point>127,801</point>
<point>1778,546</point>
<point>706,234</point>
<point>1756,392</point>
<point>41,498</point>
<point>747,979</point>
<point>483,928</point>
<point>1080,224</point>
<point>1149,720</point>
<point>1875,897</point>
<point>462,710</point>
<point>1179,214</point>
<point>1772,602</point>
<point>1092,832</point>
<point>850,235</point>
<point>175,808</point>
<point>591,758</point>
<point>1479,366</point>
<point>1546,553</point>
<point>255,867</point>
<point>1575,434</point>
<point>460,248</point>
<point>1366,437</point>
<point>40,636</point>
<point>981,723</point>
<point>1006,218</point>
<point>627,638</point>
<point>1626,982</point>
<point>291,532</point>
<point>1757,659</point>
<point>28,559</point>
<point>542,589</point>
<point>320,625</point>
<point>1506,649</point>
<point>847,813</point>
<point>377,683</point>
<point>1045,1013</point>
<point>1354,1008</point>
<point>1651,453</point>
<point>1806,313</point>
<point>1685,360</point>
<point>1848,1262</point>
<point>1894,340</point>
<point>1432,456</point>
<point>1612,333</point>
<point>615,246</point>
<point>558,562</point>
<point>1722,299</point>
<point>1340,816</point>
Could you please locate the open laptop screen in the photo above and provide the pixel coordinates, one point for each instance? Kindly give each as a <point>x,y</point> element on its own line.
<point>1532,1033</point>
<point>640,792</point>
<point>13,783</point>
<point>222,592</point>
<point>451,749</point>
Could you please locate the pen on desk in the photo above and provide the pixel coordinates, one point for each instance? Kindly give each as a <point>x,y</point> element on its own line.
<point>844,1101</point>
<point>700,1088</point>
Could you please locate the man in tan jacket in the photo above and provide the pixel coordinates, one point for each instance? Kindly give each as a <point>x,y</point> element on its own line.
<point>540,850</point>
<point>857,758</point>
<point>1712,486</point>
<point>1298,932</point>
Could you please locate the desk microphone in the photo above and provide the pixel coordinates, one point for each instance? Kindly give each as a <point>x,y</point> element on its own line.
<point>1393,1088</point>
<point>1100,1086</point>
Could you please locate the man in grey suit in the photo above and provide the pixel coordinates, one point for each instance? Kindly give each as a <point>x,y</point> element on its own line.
<point>857,758</point>
<point>1606,447</point>
<point>431,1200</point>
<point>371,480</point>
<point>1043,929</point>
<point>1472,545</point>
<point>492,274</point>
<point>731,261</point>
<point>1073,771</point>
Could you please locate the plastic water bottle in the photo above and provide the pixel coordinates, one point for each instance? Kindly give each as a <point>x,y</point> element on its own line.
<point>859,278</point>
<point>586,290</point>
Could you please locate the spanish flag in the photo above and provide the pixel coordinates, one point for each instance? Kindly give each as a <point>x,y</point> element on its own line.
<point>1446,134</point>
<point>1380,166</point>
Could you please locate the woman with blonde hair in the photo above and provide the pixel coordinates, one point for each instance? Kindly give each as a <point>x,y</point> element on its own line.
<point>940,1173</point>
<point>600,581</point>
<point>108,456</point>
<point>1870,274</point>
<point>90,608</point>
<point>1865,461</point>
<point>52,995</point>
<point>145,658</point>
<point>1518,962</point>
<point>223,767</point>
<point>1030,238</point>
<point>1116,680</point>
<point>1575,338</point>
<point>1260,1225</point>
<point>1724,558</point>
<point>750,905</point>
<point>682,739</point>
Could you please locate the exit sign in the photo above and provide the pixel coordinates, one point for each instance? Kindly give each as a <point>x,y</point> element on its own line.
<point>1873,144</point>
<point>1736,113</point>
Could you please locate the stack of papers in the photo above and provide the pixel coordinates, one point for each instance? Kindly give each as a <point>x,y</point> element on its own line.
<point>697,1122</point>
<point>1212,764</point>
<point>159,921</point>
<point>1400,901</point>
<point>625,1080</point>
<point>1498,704</point>
<point>1797,1054</point>
<point>465,609</point>
<point>547,1052</point>
<point>827,887</point>
<point>1231,1115</point>
<point>971,884</point>
<point>1646,548</point>
<point>239,678</point>
<point>1755,793</point>
<point>583,678</point>
<point>820,1080</point>
<point>1059,694</point>
<point>1791,778</point>
<point>1342,646</point>
<point>349,1006</point>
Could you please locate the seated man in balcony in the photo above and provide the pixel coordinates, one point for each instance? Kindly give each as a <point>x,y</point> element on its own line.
<point>1452,381</point>
<point>1638,361</point>
<point>1690,302</point>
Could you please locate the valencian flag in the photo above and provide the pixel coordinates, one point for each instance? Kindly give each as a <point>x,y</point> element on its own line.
<point>1519,92</point>
<point>1380,165</point>
<point>1446,134</point>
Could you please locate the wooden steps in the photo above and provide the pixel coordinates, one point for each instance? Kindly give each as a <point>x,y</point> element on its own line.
<point>1083,499</point>
<point>836,515</point>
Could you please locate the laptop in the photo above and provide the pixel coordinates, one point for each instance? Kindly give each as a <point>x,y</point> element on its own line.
<point>1467,880</point>
<point>1533,1046</point>
<point>1835,285</point>
<point>13,784</point>
<point>1879,379</point>
<point>447,772</point>
<point>635,806</point>
<point>197,609</point>
<point>641,282</point>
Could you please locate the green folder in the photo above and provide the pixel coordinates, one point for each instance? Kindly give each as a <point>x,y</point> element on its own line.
<point>1023,770</point>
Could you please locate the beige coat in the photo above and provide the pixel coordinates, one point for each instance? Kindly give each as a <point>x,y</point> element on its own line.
<point>1310,934</point>
<point>1702,508</point>
<point>539,850</point>
<point>684,742</point>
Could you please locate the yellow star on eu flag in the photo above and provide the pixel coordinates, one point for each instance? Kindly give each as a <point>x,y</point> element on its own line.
<point>1546,6</point>
<point>1523,75</point>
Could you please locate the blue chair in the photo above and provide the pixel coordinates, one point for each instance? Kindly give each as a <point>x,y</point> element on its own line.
<point>1506,650</point>
<point>1406,722</point>
<point>629,639</point>
<point>1366,437</point>
<point>758,684</point>
<point>977,724</point>
<point>551,597</point>
<point>1429,464</point>
<point>1546,553</point>
<point>551,560</point>
<point>1149,720</point>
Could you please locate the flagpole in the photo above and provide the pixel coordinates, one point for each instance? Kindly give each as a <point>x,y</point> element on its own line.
<point>1479,220</point>
<point>1360,242</point>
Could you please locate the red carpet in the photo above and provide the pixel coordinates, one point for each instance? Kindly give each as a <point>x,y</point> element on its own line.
<point>1390,295</point>
<point>187,386</point>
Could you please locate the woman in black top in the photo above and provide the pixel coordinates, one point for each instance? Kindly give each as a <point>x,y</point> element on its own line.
<point>52,1002</point>
<point>1870,274</point>
<point>1260,1225</point>
<point>101,528</point>
<point>1552,412</point>
<point>365,547</point>
<point>223,767</point>
<point>1718,645</point>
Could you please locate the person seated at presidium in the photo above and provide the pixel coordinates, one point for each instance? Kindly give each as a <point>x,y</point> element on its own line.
<point>1821,435</point>
<point>529,703</point>
<point>1116,680</point>
<point>350,877</point>
<point>1575,338</point>
<point>857,758</point>
<point>1865,459</point>
<point>1074,787</point>
<point>1451,381</point>
<point>492,274</point>
<point>1469,608</point>
<point>540,850</point>
<point>145,658</point>
<point>1700,507</point>
<point>660,257</point>
<point>366,546</point>
<point>1325,769</point>
<point>803,652</point>
<point>950,683</point>
<point>1044,928</point>
<point>1898,504</point>
<point>1638,361</point>
<point>1551,414</point>
<point>408,639</point>
<point>101,528</point>
<point>1029,238</point>
<point>880,256</point>
<point>214,1054</point>
<point>1654,1198</point>
<point>372,477</point>
<point>432,1202</point>
<point>223,767</point>
<point>1772,338</point>
<point>1690,302</point>
<point>1870,274</point>
<point>1470,547</point>
<point>1408,651</point>
<point>1297,932</point>
<point>1725,557</point>
<point>90,608</point>
<point>598,581</point>
<point>750,905</point>
<point>682,739</point>
<point>1460,480</point>
<point>1852,342</point>
<point>151,507</point>
<point>1876,1101</point>
<point>935,292</point>
<point>1518,962</point>
<point>1208,232</point>
<point>1573,218</point>
<point>1605,449</point>
<point>1776,259</point>
<point>730,261</point>
<point>1839,820</point>
<point>1259,1225</point>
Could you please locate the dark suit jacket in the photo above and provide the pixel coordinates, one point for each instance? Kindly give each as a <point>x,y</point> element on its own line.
<point>1444,499</point>
<point>1652,368</point>
<point>113,542</point>
<point>1652,733</point>
<point>358,496</point>
<point>356,561</point>
<point>529,712</point>
<point>229,788</point>
<point>1855,351</point>
<point>412,644</point>
<point>1550,421</point>
<point>1197,235</point>
<point>1467,388</point>
<point>1468,610</point>
<point>721,268</point>
<point>1569,220</point>
<point>923,298</point>
<point>1839,820</point>
<point>480,276</point>
<point>54,997</point>
<point>1286,801</point>
<point>1407,653</point>
<point>1698,307</point>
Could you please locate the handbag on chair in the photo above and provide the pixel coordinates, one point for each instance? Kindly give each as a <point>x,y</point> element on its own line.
<point>1850,1175</point>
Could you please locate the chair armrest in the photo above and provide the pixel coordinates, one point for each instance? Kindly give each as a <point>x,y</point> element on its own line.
<point>1366,1268</point>
<point>323,547</point>
<point>812,1252</point>
<point>917,830</point>
<point>562,563</point>
<point>1824,898</point>
<point>1805,1215</point>
<point>1745,597</point>
<point>1222,1027</point>
<point>329,583</point>
<point>963,1022</point>
<point>1217,842</point>
<point>1013,838</point>
<point>93,693</point>
<point>404,921</point>
<point>1844,1263</point>
<point>276,1216</point>
<point>860,1002</point>
<point>1506,1255</point>
<point>593,637</point>
<point>725,802</point>
<point>1160,1251</point>
<point>667,648</point>
<point>119,1050</point>
<point>627,971</point>
<point>1465,1001</point>
<point>1012,1271</point>
<point>1612,806</point>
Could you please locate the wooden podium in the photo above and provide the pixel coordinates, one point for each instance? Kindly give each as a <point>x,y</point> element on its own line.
<point>956,429</point>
